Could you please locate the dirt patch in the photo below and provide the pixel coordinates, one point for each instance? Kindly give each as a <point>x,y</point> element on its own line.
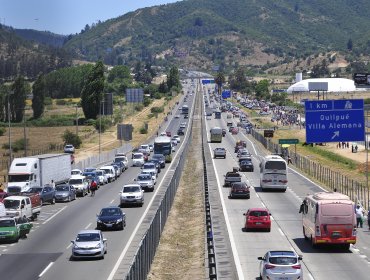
<point>181,252</point>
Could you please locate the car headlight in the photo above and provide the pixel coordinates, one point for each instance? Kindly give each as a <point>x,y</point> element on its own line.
<point>138,196</point>
<point>97,246</point>
<point>119,220</point>
<point>99,221</point>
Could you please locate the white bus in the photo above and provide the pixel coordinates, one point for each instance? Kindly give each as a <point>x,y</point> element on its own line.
<point>163,145</point>
<point>273,173</point>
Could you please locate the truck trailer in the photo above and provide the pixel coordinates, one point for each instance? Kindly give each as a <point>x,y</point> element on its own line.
<point>39,170</point>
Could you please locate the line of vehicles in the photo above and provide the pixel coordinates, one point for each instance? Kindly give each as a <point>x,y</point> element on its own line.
<point>327,217</point>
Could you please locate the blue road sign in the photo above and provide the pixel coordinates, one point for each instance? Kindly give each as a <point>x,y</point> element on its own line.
<point>226,94</point>
<point>335,121</point>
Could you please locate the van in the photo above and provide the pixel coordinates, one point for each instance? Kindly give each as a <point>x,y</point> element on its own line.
<point>110,171</point>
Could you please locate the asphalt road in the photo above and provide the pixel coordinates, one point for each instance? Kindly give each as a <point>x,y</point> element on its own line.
<point>46,252</point>
<point>286,232</point>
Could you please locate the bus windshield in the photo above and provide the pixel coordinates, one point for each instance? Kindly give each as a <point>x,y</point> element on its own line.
<point>275,165</point>
<point>162,148</point>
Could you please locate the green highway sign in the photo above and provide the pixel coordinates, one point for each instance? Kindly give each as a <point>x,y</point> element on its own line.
<point>288,141</point>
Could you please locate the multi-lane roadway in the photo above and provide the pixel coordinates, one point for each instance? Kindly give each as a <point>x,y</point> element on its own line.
<point>286,233</point>
<point>46,252</point>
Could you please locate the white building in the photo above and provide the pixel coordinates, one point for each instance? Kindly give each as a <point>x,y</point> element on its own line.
<point>334,85</point>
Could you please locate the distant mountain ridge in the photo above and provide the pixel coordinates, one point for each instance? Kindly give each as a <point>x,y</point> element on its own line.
<point>42,37</point>
<point>202,33</point>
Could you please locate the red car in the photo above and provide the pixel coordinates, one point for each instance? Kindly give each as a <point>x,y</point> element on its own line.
<point>168,133</point>
<point>257,218</point>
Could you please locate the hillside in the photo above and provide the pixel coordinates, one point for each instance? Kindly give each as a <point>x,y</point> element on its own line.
<point>42,37</point>
<point>203,33</point>
<point>28,58</point>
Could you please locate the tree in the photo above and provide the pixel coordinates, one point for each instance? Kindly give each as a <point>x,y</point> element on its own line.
<point>219,79</point>
<point>39,92</point>
<point>262,90</point>
<point>18,99</point>
<point>91,94</point>
<point>71,138</point>
<point>173,78</point>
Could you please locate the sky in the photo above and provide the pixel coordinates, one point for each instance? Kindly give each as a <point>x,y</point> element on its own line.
<point>66,16</point>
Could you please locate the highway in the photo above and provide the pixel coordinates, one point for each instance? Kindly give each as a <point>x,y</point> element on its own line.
<point>286,232</point>
<point>46,252</point>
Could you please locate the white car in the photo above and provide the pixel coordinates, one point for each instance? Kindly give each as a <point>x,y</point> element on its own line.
<point>70,149</point>
<point>177,138</point>
<point>177,116</point>
<point>110,171</point>
<point>89,244</point>
<point>103,178</point>
<point>146,148</point>
<point>80,184</point>
<point>131,194</point>
<point>150,166</point>
<point>76,172</point>
<point>138,159</point>
<point>151,173</point>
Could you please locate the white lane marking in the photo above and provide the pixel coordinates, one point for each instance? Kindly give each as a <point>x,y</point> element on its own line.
<point>52,217</point>
<point>111,201</point>
<point>281,232</point>
<point>35,223</point>
<point>311,277</point>
<point>2,246</point>
<point>115,268</point>
<point>257,194</point>
<point>272,218</point>
<point>69,246</point>
<point>5,250</point>
<point>46,269</point>
<point>263,205</point>
<point>11,245</point>
<point>88,226</point>
<point>228,226</point>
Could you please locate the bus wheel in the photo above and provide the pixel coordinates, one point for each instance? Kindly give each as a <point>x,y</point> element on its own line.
<point>304,234</point>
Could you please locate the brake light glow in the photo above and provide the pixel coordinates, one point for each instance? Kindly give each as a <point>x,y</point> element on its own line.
<point>283,181</point>
<point>266,181</point>
<point>297,266</point>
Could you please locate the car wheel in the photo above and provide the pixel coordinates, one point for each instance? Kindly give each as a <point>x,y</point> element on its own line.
<point>53,200</point>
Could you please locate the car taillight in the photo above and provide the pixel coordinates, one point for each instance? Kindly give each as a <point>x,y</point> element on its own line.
<point>297,266</point>
<point>266,181</point>
<point>269,266</point>
<point>283,181</point>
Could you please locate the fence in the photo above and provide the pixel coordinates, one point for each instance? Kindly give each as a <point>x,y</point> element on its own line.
<point>332,179</point>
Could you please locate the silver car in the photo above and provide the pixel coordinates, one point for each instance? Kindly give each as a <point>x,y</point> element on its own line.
<point>132,194</point>
<point>89,244</point>
<point>278,265</point>
<point>145,181</point>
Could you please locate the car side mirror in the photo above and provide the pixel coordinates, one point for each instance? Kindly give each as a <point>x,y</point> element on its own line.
<point>300,257</point>
<point>135,179</point>
<point>72,241</point>
<point>22,206</point>
<point>244,214</point>
<point>260,258</point>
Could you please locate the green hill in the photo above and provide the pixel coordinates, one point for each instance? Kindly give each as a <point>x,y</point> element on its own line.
<point>203,33</point>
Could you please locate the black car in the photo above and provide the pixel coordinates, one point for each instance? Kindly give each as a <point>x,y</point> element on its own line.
<point>111,218</point>
<point>160,158</point>
<point>181,131</point>
<point>246,165</point>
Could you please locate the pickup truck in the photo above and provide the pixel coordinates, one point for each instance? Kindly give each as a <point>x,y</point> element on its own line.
<point>232,177</point>
<point>11,228</point>
<point>219,152</point>
<point>25,205</point>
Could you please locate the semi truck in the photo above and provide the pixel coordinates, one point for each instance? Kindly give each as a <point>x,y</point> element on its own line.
<point>39,170</point>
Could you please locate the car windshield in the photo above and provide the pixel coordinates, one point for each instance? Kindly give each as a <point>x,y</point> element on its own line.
<point>110,212</point>
<point>99,173</point>
<point>75,181</point>
<point>258,213</point>
<point>283,260</point>
<point>143,177</point>
<point>7,223</point>
<point>131,189</point>
<point>34,190</point>
<point>75,172</point>
<point>62,188</point>
<point>87,237</point>
<point>137,156</point>
<point>10,203</point>
<point>156,156</point>
<point>148,166</point>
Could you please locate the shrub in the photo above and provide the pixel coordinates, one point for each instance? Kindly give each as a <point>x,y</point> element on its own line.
<point>143,130</point>
<point>103,124</point>
<point>2,131</point>
<point>157,110</point>
<point>71,138</point>
<point>139,107</point>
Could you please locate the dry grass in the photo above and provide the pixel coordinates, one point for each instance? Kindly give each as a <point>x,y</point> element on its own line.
<point>43,137</point>
<point>181,252</point>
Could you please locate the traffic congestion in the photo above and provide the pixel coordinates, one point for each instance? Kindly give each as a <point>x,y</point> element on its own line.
<point>276,227</point>
<point>93,214</point>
